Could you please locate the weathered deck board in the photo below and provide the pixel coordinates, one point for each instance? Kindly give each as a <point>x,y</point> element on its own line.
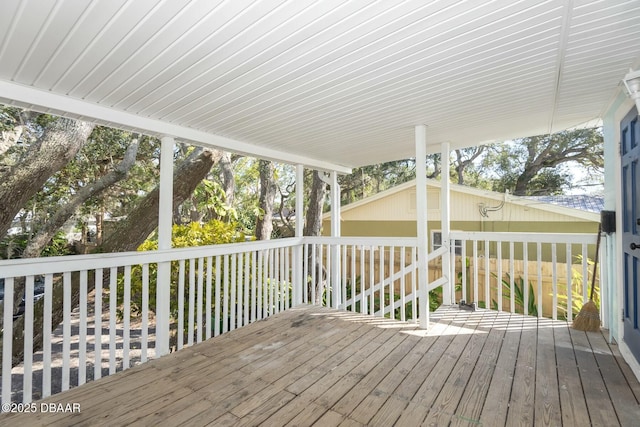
<point>494,409</point>
<point>599,405</point>
<point>457,382</point>
<point>521,403</point>
<point>618,390</point>
<point>315,366</point>
<point>475,393</point>
<point>394,402</point>
<point>547,395</point>
<point>574,406</point>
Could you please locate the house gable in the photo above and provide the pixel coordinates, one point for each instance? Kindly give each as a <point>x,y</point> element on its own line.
<point>467,205</point>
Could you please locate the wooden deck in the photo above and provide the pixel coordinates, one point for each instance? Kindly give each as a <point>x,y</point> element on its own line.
<point>315,366</point>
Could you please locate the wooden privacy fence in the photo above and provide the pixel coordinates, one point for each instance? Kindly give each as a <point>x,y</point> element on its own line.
<point>533,273</point>
<point>544,287</point>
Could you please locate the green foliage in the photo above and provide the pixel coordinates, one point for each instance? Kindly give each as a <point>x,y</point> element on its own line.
<point>435,299</point>
<point>210,233</point>
<point>189,235</point>
<point>247,193</point>
<point>57,246</point>
<point>547,182</point>
<point>13,246</point>
<point>210,197</point>
<point>518,296</point>
<point>208,202</point>
<point>368,180</point>
<point>539,165</point>
<point>9,118</point>
<point>577,280</point>
<point>104,148</point>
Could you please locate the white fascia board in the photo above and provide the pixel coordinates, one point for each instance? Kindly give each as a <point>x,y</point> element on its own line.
<point>52,103</point>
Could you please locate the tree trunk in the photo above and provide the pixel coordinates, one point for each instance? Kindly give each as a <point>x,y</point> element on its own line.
<point>139,224</point>
<point>99,226</point>
<point>465,158</point>
<point>522,183</point>
<point>313,227</point>
<point>313,220</point>
<point>129,234</point>
<point>177,215</point>
<point>84,234</point>
<point>228,180</point>
<point>268,189</point>
<point>59,143</point>
<point>44,235</point>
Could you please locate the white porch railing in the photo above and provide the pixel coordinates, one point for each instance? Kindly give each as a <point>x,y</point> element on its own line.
<point>216,289</point>
<point>377,276</point>
<point>543,274</point>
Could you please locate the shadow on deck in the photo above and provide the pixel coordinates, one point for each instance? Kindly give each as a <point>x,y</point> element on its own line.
<point>312,365</point>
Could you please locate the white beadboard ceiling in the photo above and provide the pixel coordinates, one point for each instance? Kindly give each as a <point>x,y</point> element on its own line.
<point>328,83</point>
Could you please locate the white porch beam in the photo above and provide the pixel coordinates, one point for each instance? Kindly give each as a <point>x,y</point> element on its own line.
<point>335,205</point>
<point>445,223</point>
<point>421,218</point>
<point>335,249</point>
<point>51,103</point>
<point>299,275</point>
<point>299,200</point>
<point>165,212</point>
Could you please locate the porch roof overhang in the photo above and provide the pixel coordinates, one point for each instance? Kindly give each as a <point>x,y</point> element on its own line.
<point>329,84</point>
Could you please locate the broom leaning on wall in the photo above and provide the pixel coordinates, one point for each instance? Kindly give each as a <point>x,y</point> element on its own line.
<point>588,319</point>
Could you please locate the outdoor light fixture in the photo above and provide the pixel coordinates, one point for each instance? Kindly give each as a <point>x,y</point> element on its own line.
<point>632,83</point>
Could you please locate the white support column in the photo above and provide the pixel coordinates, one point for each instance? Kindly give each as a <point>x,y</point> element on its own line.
<point>421,218</point>
<point>299,274</point>
<point>448,291</point>
<point>335,249</point>
<point>165,212</point>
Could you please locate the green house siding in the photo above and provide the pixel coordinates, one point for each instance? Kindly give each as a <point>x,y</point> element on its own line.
<point>408,228</point>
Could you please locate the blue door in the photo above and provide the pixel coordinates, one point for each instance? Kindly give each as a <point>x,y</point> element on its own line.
<point>630,151</point>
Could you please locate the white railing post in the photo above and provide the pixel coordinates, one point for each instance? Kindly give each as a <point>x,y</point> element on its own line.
<point>445,225</point>
<point>421,218</point>
<point>299,274</point>
<point>165,212</point>
<point>335,249</point>
<point>602,282</point>
<point>7,343</point>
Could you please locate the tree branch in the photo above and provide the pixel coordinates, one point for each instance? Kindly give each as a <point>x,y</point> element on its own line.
<point>60,142</point>
<point>46,233</point>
